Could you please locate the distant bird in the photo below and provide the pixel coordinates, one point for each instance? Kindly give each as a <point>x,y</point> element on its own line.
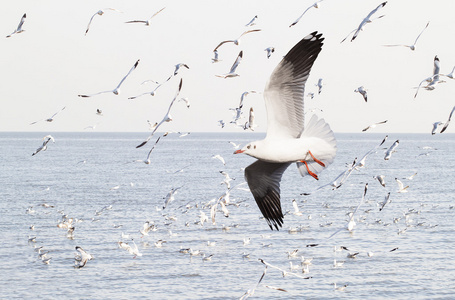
<point>233,68</point>
<point>19,27</point>
<point>99,13</point>
<point>250,124</point>
<point>147,227</point>
<point>237,40</point>
<point>448,121</point>
<point>435,127</point>
<point>412,47</point>
<point>361,90</point>
<point>148,21</point>
<point>167,117</point>
<point>221,123</point>
<point>269,50</point>
<point>116,91</point>
<point>374,125</point>
<point>386,201</point>
<point>99,112</point>
<point>49,119</point>
<point>43,147</point>
<point>238,110</point>
<point>215,58</point>
<point>435,77</point>
<point>151,93</point>
<point>401,187</point>
<point>147,160</point>
<point>178,66</point>
<point>288,139</point>
<point>381,179</point>
<point>170,196</point>
<point>236,146</point>
<point>82,258</point>
<point>131,249</point>
<point>220,158</point>
<point>366,20</point>
<point>296,211</point>
<point>315,5</point>
<point>186,100</point>
<point>251,23</point>
<point>392,148</point>
<point>319,85</point>
<point>361,162</point>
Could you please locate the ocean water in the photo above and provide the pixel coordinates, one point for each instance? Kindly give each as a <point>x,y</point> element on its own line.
<point>95,178</point>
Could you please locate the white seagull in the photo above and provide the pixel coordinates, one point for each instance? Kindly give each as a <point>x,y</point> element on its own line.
<point>389,152</point>
<point>374,125</point>
<point>448,121</point>
<point>381,179</point>
<point>435,127</point>
<point>147,160</point>
<point>315,5</point>
<point>250,124</point>
<point>100,13</point>
<point>401,187</point>
<point>269,50</point>
<point>82,258</point>
<point>237,40</point>
<point>251,23</point>
<point>170,196</point>
<point>413,46</point>
<point>43,147</point>
<point>49,119</point>
<point>146,22</point>
<point>386,201</point>
<point>167,117</point>
<point>116,91</point>
<point>361,90</point>
<point>19,27</point>
<point>178,66</point>
<point>312,147</point>
<point>233,68</point>
<point>367,19</point>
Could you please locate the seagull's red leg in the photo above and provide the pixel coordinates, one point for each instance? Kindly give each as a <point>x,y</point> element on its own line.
<point>308,170</point>
<point>316,160</point>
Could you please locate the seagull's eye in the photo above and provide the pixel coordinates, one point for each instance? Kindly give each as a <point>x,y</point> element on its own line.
<point>248,147</point>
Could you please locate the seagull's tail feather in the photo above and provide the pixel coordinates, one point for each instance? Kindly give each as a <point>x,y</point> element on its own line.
<point>325,148</point>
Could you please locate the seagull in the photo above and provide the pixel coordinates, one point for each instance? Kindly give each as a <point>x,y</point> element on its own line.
<point>374,125</point>
<point>269,50</point>
<point>401,187</point>
<point>43,147</point>
<point>131,249</point>
<point>448,121</point>
<point>381,180</point>
<point>361,90</point>
<point>220,158</point>
<point>221,123</point>
<point>297,211</point>
<point>167,117</point>
<point>435,126</point>
<point>233,68</point>
<point>146,22</point>
<point>19,27</point>
<point>287,139</point>
<point>215,58</point>
<point>49,119</point>
<point>147,227</point>
<point>361,163</point>
<point>100,13</point>
<point>238,110</point>
<point>386,201</point>
<point>315,5</point>
<point>389,152</point>
<point>250,124</point>
<point>319,85</point>
<point>250,292</point>
<point>82,258</point>
<point>435,77</point>
<point>237,40</point>
<point>186,100</point>
<point>413,46</point>
<point>99,112</point>
<point>147,161</point>
<point>178,66</point>
<point>116,91</point>
<point>367,19</point>
<point>152,93</point>
<point>251,23</point>
<point>170,196</point>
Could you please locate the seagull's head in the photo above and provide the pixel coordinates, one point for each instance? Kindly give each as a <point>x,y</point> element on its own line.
<point>249,149</point>
<point>116,91</point>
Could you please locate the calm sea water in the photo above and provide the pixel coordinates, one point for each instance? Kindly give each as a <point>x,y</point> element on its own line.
<point>77,173</point>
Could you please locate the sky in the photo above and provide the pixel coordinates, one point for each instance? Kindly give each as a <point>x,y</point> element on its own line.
<point>46,67</point>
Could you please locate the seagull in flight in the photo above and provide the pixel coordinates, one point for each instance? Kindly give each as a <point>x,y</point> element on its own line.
<point>147,160</point>
<point>19,27</point>
<point>413,46</point>
<point>251,23</point>
<point>435,127</point>
<point>233,68</point>
<point>100,13</point>
<point>392,148</point>
<point>288,140</point>
<point>49,119</point>
<point>374,125</point>
<point>315,5</point>
<point>167,117</point>
<point>401,187</point>
<point>448,121</point>
<point>367,19</point>
<point>237,40</point>
<point>43,147</point>
<point>82,258</point>
<point>116,91</point>
<point>269,50</point>
<point>146,22</point>
<point>361,90</point>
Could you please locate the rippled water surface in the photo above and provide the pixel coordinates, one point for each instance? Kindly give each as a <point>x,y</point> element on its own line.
<point>77,174</point>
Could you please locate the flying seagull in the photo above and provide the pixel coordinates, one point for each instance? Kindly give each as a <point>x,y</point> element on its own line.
<point>315,5</point>
<point>116,91</point>
<point>251,23</point>
<point>367,19</point>
<point>82,258</point>
<point>288,140</point>
<point>43,147</point>
<point>374,125</point>
<point>233,68</point>
<point>237,40</point>
<point>19,27</point>
<point>361,90</point>
<point>392,148</point>
<point>269,50</point>
<point>49,119</point>
<point>146,22</point>
<point>167,117</point>
<point>448,121</point>
<point>413,46</point>
<point>99,13</point>
<point>435,127</point>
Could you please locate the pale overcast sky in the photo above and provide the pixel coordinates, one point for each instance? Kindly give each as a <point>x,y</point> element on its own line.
<point>44,68</point>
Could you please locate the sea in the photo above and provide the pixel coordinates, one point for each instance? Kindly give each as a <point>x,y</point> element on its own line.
<point>101,183</point>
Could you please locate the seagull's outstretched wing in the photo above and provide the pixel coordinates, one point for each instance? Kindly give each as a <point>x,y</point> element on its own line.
<point>264,182</point>
<point>131,70</point>
<point>448,121</point>
<point>367,19</point>
<point>237,62</point>
<point>284,91</point>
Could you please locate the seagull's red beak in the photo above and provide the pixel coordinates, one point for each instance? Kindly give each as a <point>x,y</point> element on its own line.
<point>239,151</point>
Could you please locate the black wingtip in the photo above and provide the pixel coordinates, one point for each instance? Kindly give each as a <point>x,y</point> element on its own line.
<point>142,144</point>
